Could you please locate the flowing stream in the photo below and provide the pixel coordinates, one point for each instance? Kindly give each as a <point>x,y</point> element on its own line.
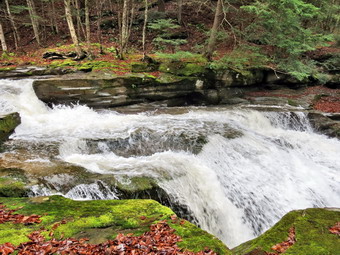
<point>237,170</point>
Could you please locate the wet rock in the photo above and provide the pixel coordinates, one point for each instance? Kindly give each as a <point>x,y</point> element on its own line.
<point>182,68</point>
<point>234,78</point>
<point>7,125</point>
<point>312,232</point>
<point>325,125</point>
<point>99,92</point>
<point>13,183</point>
<point>53,55</point>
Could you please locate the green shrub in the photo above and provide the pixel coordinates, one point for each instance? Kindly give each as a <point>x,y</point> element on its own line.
<point>164,29</point>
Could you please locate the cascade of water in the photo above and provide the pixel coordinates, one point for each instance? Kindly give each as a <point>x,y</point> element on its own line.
<point>93,191</point>
<point>236,170</point>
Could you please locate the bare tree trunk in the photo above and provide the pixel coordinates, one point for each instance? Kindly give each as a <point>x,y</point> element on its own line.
<point>179,11</point>
<point>144,27</point>
<point>88,29</point>
<point>16,33</point>
<point>80,27</point>
<point>34,19</point>
<point>72,29</point>
<point>99,20</point>
<point>161,5</point>
<point>217,22</point>
<point>2,39</point>
<point>87,21</point>
<point>124,29</point>
<point>54,20</point>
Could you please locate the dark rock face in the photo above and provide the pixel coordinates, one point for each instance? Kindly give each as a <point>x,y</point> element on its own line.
<point>325,125</point>
<point>7,125</point>
<point>111,92</point>
<point>32,71</point>
<point>180,84</point>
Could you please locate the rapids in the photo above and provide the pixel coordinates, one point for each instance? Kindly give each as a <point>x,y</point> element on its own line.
<point>237,170</point>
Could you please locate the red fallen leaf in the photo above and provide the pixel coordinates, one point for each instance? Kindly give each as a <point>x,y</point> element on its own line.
<point>282,247</point>
<point>55,226</point>
<point>182,222</point>
<point>335,229</point>
<point>160,240</point>
<point>142,217</point>
<point>173,217</point>
<point>7,248</point>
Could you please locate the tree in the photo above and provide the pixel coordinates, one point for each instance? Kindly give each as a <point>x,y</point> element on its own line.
<point>125,26</point>
<point>161,5</point>
<point>87,22</point>
<point>2,39</point>
<point>34,19</point>
<point>179,11</point>
<point>53,17</point>
<point>217,22</point>
<point>11,18</point>
<point>80,53</point>
<point>286,25</point>
<point>144,26</point>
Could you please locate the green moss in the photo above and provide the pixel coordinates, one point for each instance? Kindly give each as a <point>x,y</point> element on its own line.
<point>195,239</point>
<point>62,63</point>
<point>137,184</point>
<point>182,68</point>
<point>99,220</point>
<point>292,102</point>
<point>95,65</point>
<point>144,67</point>
<point>8,124</point>
<point>5,69</point>
<point>10,187</point>
<point>169,78</point>
<point>312,234</point>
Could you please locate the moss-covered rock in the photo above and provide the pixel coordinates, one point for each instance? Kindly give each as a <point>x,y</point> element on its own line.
<point>13,183</point>
<point>312,234</point>
<point>182,68</point>
<point>7,125</point>
<point>100,220</point>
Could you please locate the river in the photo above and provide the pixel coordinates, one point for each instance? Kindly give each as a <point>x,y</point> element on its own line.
<point>238,170</point>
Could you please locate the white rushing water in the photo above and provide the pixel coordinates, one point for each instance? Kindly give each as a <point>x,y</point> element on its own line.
<point>238,171</point>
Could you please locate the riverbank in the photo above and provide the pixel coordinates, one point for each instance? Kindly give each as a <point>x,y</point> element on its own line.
<point>193,130</point>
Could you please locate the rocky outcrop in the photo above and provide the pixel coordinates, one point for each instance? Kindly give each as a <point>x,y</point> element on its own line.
<point>32,71</point>
<point>7,125</point>
<point>311,230</point>
<point>328,125</point>
<point>100,220</point>
<point>102,91</point>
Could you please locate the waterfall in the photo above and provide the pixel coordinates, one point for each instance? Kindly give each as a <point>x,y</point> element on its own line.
<point>238,171</point>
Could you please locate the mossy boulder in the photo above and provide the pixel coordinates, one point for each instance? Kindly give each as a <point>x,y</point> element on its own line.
<point>235,78</point>
<point>100,220</point>
<point>7,125</point>
<point>311,232</point>
<point>182,68</point>
<point>13,183</point>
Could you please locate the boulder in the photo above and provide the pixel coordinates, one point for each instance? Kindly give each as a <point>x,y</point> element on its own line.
<point>312,234</point>
<point>235,78</point>
<point>102,91</point>
<point>100,220</point>
<point>325,124</point>
<point>7,125</point>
